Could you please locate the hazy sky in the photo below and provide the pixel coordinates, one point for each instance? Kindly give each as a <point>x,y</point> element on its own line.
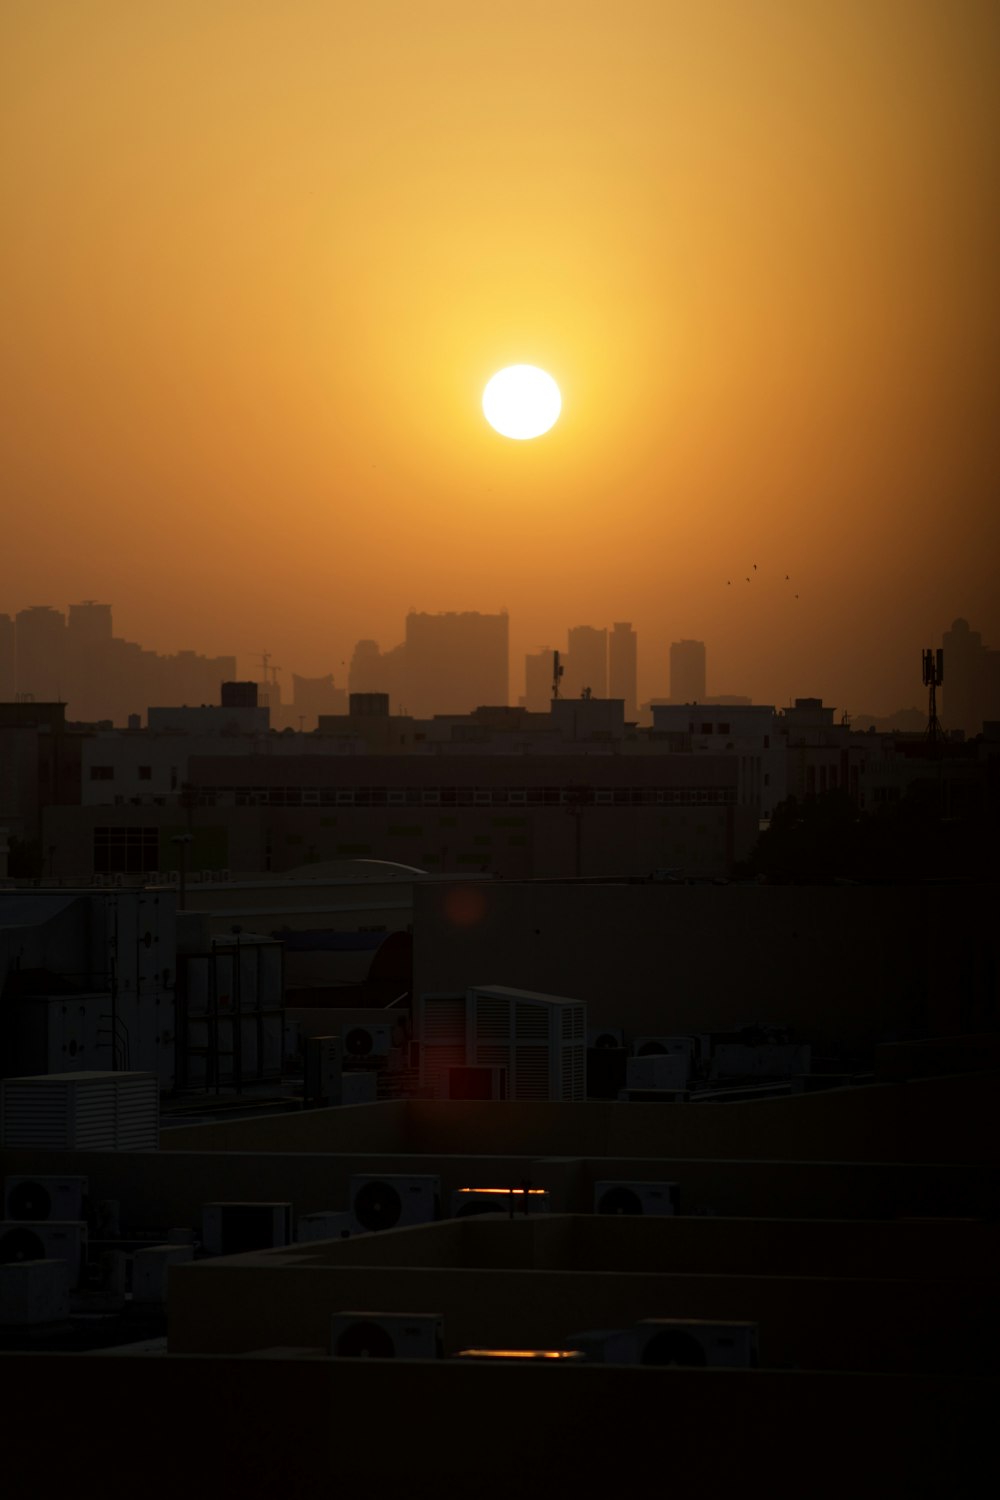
<point>258,260</point>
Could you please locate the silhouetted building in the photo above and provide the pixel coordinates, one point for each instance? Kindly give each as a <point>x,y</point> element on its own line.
<point>312,696</point>
<point>586,662</point>
<point>538,677</point>
<point>455,662</point>
<point>687,671</point>
<point>8,659</point>
<point>375,671</point>
<point>41,653</point>
<point>623,668</point>
<point>971,690</point>
<point>239,695</point>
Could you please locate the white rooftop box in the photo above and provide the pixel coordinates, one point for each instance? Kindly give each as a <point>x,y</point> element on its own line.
<point>81,1111</point>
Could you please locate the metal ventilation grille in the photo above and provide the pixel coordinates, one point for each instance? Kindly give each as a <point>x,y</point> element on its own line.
<point>444,1020</point>
<point>34,1114</point>
<point>572,1023</point>
<point>531,1073</point>
<point>492,1057</point>
<point>95,1117</point>
<point>138,1123</point>
<point>573,1073</point>
<point>532,1022</point>
<point>493,1019</point>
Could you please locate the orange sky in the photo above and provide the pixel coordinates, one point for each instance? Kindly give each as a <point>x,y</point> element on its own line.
<point>258,261</point>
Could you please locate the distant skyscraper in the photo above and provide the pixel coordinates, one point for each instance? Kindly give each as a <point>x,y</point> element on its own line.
<point>455,663</point>
<point>622,668</point>
<point>89,625</point>
<point>971,692</point>
<point>7,659</point>
<point>375,671</point>
<point>687,671</point>
<point>586,663</point>
<point>41,653</point>
<point>538,668</point>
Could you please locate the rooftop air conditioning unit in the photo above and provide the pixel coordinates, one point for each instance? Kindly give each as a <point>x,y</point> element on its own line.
<point>41,1198</point>
<point>650,1198</point>
<point>394,1202</point>
<point>666,1071</point>
<point>33,1292</point>
<point>606,1346</point>
<point>234,1228</point>
<point>86,1111</point>
<point>332,1225</point>
<point>321,1079</point>
<point>606,1036</point>
<point>697,1342</point>
<point>467,1202</point>
<point>23,1239</point>
<point>376,1335</point>
<point>150,1268</point>
<point>659,1046</point>
<point>367,1041</point>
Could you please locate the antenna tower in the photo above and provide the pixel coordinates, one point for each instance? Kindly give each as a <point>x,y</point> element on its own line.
<point>933,678</point>
<point>557,672</point>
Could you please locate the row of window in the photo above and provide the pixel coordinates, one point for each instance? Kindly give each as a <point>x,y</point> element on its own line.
<point>132,851</point>
<point>107,773</point>
<point>548,796</point>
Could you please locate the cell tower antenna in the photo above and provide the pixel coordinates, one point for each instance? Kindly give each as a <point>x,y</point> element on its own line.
<point>557,672</point>
<point>933,678</point>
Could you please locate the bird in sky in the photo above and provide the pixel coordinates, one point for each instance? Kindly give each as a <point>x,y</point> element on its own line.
<point>786,577</point>
<point>748,580</point>
<point>755,567</point>
<point>729,582</point>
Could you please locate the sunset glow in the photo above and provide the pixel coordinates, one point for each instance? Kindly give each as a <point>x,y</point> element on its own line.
<point>522,402</point>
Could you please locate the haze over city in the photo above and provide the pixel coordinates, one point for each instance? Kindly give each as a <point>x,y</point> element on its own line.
<point>255,278</point>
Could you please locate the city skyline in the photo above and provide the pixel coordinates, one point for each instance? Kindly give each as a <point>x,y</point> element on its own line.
<point>246,340</point>
<point>368,667</point>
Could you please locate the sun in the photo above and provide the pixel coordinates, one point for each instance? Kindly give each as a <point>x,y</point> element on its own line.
<point>521,402</point>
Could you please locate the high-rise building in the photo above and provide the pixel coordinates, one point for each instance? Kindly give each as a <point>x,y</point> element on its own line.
<point>375,671</point>
<point>687,672</point>
<point>313,696</point>
<point>586,663</point>
<point>971,691</point>
<point>8,660</point>
<point>41,654</point>
<point>455,663</point>
<point>538,676</point>
<point>623,668</point>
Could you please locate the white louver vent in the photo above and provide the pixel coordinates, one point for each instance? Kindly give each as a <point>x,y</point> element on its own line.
<point>540,1039</point>
<point>81,1111</point>
<point>532,1023</point>
<point>441,1033</point>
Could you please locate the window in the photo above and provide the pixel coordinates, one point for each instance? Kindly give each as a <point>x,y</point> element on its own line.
<point>102,773</point>
<point>706,729</point>
<point>724,729</point>
<point>145,773</point>
<point>126,851</point>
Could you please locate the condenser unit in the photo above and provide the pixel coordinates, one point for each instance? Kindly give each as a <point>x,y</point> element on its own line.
<point>33,1292</point>
<point>41,1198</point>
<point>49,1239</point>
<point>366,1041</point>
<point>661,1071</point>
<point>150,1268</point>
<point>606,1346</point>
<point>333,1225</point>
<point>394,1202</point>
<point>375,1335</point>
<point>85,1111</point>
<point>650,1198</point>
<point>606,1036</point>
<point>469,1201</point>
<point>234,1228</point>
<point>665,1046</point>
<point>322,1071</point>
<point>441,1028</point>
<point>697,1342</point>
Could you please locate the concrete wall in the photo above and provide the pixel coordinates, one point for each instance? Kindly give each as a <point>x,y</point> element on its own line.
<point>914,1326</point>
<point>931,1120</point>
<point>166,1189</point>
<point>846,966</point>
